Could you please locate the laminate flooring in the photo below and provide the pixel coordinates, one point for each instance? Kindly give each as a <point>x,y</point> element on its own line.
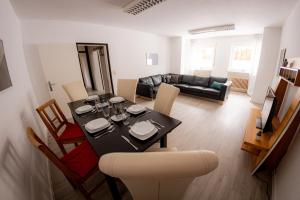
<point>205,125</point>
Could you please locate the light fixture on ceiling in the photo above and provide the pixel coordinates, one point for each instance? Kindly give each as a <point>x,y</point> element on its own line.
<point>137,6</point>
<point>225,27</point>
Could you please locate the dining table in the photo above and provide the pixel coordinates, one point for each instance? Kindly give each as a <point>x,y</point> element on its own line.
<point>118,138</point>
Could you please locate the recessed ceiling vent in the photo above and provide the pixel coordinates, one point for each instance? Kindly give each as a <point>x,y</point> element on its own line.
<point>226,27</point>
<point>137,6</point>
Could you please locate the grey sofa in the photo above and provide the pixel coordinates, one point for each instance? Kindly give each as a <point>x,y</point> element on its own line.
<point>194,85</point>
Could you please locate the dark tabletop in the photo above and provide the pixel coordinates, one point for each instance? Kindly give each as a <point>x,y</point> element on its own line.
<point>113,142</point>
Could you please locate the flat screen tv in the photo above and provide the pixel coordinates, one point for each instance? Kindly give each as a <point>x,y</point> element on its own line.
<point>267,112</point>
<point>5,81</point>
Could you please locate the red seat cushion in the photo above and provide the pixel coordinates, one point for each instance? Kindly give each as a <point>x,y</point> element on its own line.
<point>72,131</point>
<point>81,160</point>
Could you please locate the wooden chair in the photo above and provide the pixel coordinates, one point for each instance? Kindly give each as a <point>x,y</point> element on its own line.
<point>75,90</point>
<point>158,175</point>
<point>127,89</point>
<point>165,98</point>
<point>63,131</point>
<point>77,165</point>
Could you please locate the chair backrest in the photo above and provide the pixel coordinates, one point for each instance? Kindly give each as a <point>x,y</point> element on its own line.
<point>75,90</point>
<point>40,145</point>
<point>52,116</point>
<point>158,175</point>
<point>165,98</point>
<point>127,88</point>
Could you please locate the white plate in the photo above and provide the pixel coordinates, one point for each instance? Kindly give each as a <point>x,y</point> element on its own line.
<point>143,137</point>
<point>136,109</point>
<point>142,128</point>
<point>84,109</point>
<point>92,98</point>
<point>96,125</point>
<point>116,99</point>
<point>117,118</point>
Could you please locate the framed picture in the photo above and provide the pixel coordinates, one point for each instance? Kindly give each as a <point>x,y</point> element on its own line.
<point>281,59</point>
<point>5,81</point>
<point>151,59</point>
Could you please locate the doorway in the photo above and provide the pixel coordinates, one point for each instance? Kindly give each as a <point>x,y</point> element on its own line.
<point>95,68</point>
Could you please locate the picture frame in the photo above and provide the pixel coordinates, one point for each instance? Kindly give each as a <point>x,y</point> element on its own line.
<point>5,80</point>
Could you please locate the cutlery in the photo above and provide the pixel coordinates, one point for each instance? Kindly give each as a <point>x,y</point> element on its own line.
<point>155,122</point>
<point>143,114</point>
<point>129,142</point>
<point>105,133</point>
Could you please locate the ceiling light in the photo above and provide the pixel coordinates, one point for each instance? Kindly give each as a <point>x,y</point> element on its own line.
<point>225,27</point>
<point>137,6</point>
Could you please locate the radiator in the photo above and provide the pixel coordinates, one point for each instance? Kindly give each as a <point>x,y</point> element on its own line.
<point>239,81</point>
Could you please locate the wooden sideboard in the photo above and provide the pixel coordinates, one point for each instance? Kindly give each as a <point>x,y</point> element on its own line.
<point>272,146</point>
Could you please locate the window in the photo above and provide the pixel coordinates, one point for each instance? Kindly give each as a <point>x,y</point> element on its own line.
<point>241,58</point>
<point>202,57</point>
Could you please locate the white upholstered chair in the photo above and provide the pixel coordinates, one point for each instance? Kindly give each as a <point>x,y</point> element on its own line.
<point>165,98</point>
<point>75,90</point>
<point>127,88</point>
<point>158,175</point>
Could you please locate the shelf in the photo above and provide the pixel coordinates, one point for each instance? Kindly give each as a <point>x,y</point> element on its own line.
<point>290,75</point>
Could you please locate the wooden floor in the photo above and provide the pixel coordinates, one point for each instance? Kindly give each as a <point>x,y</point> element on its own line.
<point>205,125</point>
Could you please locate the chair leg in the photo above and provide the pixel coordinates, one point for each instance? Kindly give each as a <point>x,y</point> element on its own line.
<point>62,148</point>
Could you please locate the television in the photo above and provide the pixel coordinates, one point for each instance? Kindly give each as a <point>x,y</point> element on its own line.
<point>267,113</point>
<point>5,81</point>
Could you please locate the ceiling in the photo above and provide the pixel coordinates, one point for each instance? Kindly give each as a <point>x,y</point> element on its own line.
<point>171,18</point>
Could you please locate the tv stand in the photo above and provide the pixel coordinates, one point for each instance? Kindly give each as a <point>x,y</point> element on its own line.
<point>269,149</point>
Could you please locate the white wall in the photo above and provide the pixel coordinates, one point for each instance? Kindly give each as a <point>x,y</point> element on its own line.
<point>23,171</point>
<point>267,64</point>
<point>287,178</point>
<point>127,48</point>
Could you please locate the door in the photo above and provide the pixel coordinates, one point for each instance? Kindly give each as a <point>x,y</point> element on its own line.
<point>61,65</point>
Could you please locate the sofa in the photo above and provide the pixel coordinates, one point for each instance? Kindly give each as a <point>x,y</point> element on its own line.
<point>216,88</point>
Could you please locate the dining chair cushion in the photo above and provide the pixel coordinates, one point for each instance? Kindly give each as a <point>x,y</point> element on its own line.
<point>71,132</point>
<point>81,160</point>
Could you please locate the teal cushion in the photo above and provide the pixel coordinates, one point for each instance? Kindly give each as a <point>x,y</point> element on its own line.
<point>216,85</point>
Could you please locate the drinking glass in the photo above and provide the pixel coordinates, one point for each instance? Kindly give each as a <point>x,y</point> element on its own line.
<point>126,118</point>
<point>106,111</point>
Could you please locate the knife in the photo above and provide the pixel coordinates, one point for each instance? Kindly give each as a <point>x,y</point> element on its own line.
<point>129,142</point>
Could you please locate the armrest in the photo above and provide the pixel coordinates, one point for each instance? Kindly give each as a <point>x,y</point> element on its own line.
<point>144,90</point>
<point>156,165</point>
<point>225,89</point>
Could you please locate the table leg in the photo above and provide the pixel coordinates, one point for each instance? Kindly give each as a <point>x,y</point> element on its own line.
<point>111,182</point>
<point>163,142</point>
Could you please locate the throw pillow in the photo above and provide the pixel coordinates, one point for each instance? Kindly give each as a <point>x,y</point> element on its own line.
<point>174,79</point>
<point>216,85</point>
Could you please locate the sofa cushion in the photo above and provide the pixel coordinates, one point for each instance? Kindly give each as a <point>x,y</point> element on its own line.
<point>196,88</point>
<point>157,79</point>
<point>201,81</point>
<point>168,78</point>
<point>218,79</point>
<point>211,91</point>
<point>174,79</point>
<point>187,79</point>
<point>216,85</point>
<point>147,81</point>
